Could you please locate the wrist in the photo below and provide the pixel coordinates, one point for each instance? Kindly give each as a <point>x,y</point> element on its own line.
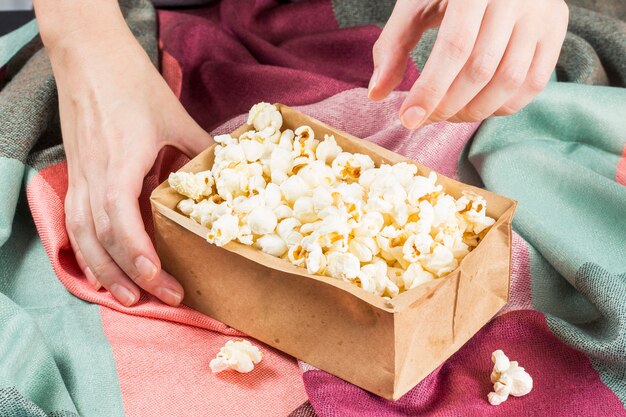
<point>68,25</point>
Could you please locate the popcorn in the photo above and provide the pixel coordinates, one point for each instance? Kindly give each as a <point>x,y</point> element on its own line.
<point>252,150</point>
<point>508,378</point>
<point>415,246</point>
<point>293,188</point>
<point>415,275</point>
<point>186,206</point>
<point>440,262</point>
<point>262,220</point>
<point>272,244</point>
<point>315,259</point>
<point>239,355</point>
<point>386,229</point>
<point>264,115</point>
<point>327,150</point>
<point>348,166</point>
<point>224,229</point>
<point>283,211</point>
<point>342,265</point>
<point>192,185</point>
<point>473,208</point>
<point>364,248</point>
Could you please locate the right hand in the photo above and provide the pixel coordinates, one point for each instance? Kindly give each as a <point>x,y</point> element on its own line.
<point>116,112</point>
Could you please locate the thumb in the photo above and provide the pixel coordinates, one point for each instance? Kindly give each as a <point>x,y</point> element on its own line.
<point>399,36</point>
<point>189,137</point>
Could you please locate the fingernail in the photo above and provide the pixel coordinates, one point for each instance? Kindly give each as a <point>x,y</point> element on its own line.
<point>171,297</point>
<point>92,279</point>
<point>373,82</point>
<point>123,294</point>
<point>146,269</point>
<point>413,117</point>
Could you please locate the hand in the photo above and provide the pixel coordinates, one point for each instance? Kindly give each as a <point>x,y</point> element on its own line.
<point>491,57</point>
<point>117,112</point>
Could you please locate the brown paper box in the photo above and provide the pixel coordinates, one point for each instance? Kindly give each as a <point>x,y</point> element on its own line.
<point>385,347</point>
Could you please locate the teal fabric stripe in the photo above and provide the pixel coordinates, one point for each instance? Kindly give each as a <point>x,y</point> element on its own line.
<point>52,346</point>
<point>558,158</point>
<point>14,41</point>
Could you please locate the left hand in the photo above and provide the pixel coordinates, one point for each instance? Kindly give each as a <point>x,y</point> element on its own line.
<point>491,57</point>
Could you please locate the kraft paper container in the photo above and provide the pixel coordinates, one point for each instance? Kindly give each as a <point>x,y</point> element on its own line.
<point>385,347</point>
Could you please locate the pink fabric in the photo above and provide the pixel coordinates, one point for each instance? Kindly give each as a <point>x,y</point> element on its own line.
<point>620,176</point>
<point>163,369</point>
<point>565,383</point>
<point>520,291</point>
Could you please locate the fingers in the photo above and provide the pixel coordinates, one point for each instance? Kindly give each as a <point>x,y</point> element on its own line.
<point>455,41</point>
<point>99,266</point>
<point>544,61</point>
<point>508,78</point>
<point>401,33</point>
<point>120,231</point>
<point>495,32</point>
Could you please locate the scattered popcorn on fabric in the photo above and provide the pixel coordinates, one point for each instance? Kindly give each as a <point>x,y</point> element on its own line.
<point>508,378</point>
<point>302,198</point>
<point>239,355</point>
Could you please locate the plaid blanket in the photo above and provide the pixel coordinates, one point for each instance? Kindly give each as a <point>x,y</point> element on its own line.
<point>67,349</point>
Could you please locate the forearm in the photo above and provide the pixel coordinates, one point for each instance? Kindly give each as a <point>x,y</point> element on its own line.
<point>67,24</point>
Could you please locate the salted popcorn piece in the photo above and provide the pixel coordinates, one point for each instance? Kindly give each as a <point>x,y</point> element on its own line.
<point>421,186</point>
<point>296,254</point>
<point>364,248</point>
<point>371,274</point>
<point>272,196</point>
<point>245,236</point>
<point>280,164</point>
<point>283,211</point>
<point>304,133</point>
<point>303,210</point>
<point>327,150</point>
<point>316,173</point>
<point>371,223</point>
<point>287,226</point>
<point>444,210</point>
<point>286,140</point>
<point>192,185</point>
<point>416,246</point>
<point>223,230</point>
<point>293,188</point>
<point>404,173</point>
<point>322,198</point>
<point>508,378</point>
<point>440,262</point>
<point>415,275</point>
<point>344,266</point>
<point>239,355</point>
<point>272,244</point>
<point>473,208</point>
<point>349,166</point>
<point>264,115</point>
<point>262,220</point>
<point>315,258</point>
<point>186,206</point>
<point>224,140</point>
<point>252,150</point>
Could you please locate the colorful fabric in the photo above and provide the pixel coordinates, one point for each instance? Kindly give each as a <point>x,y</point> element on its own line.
<point>66,349</point>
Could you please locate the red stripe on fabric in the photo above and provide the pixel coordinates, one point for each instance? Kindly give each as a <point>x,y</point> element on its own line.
<point>163,369</point>
<point>237,53</point>
<point>565,383</point>
<point>46,195</point>
<point>620,176</point>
